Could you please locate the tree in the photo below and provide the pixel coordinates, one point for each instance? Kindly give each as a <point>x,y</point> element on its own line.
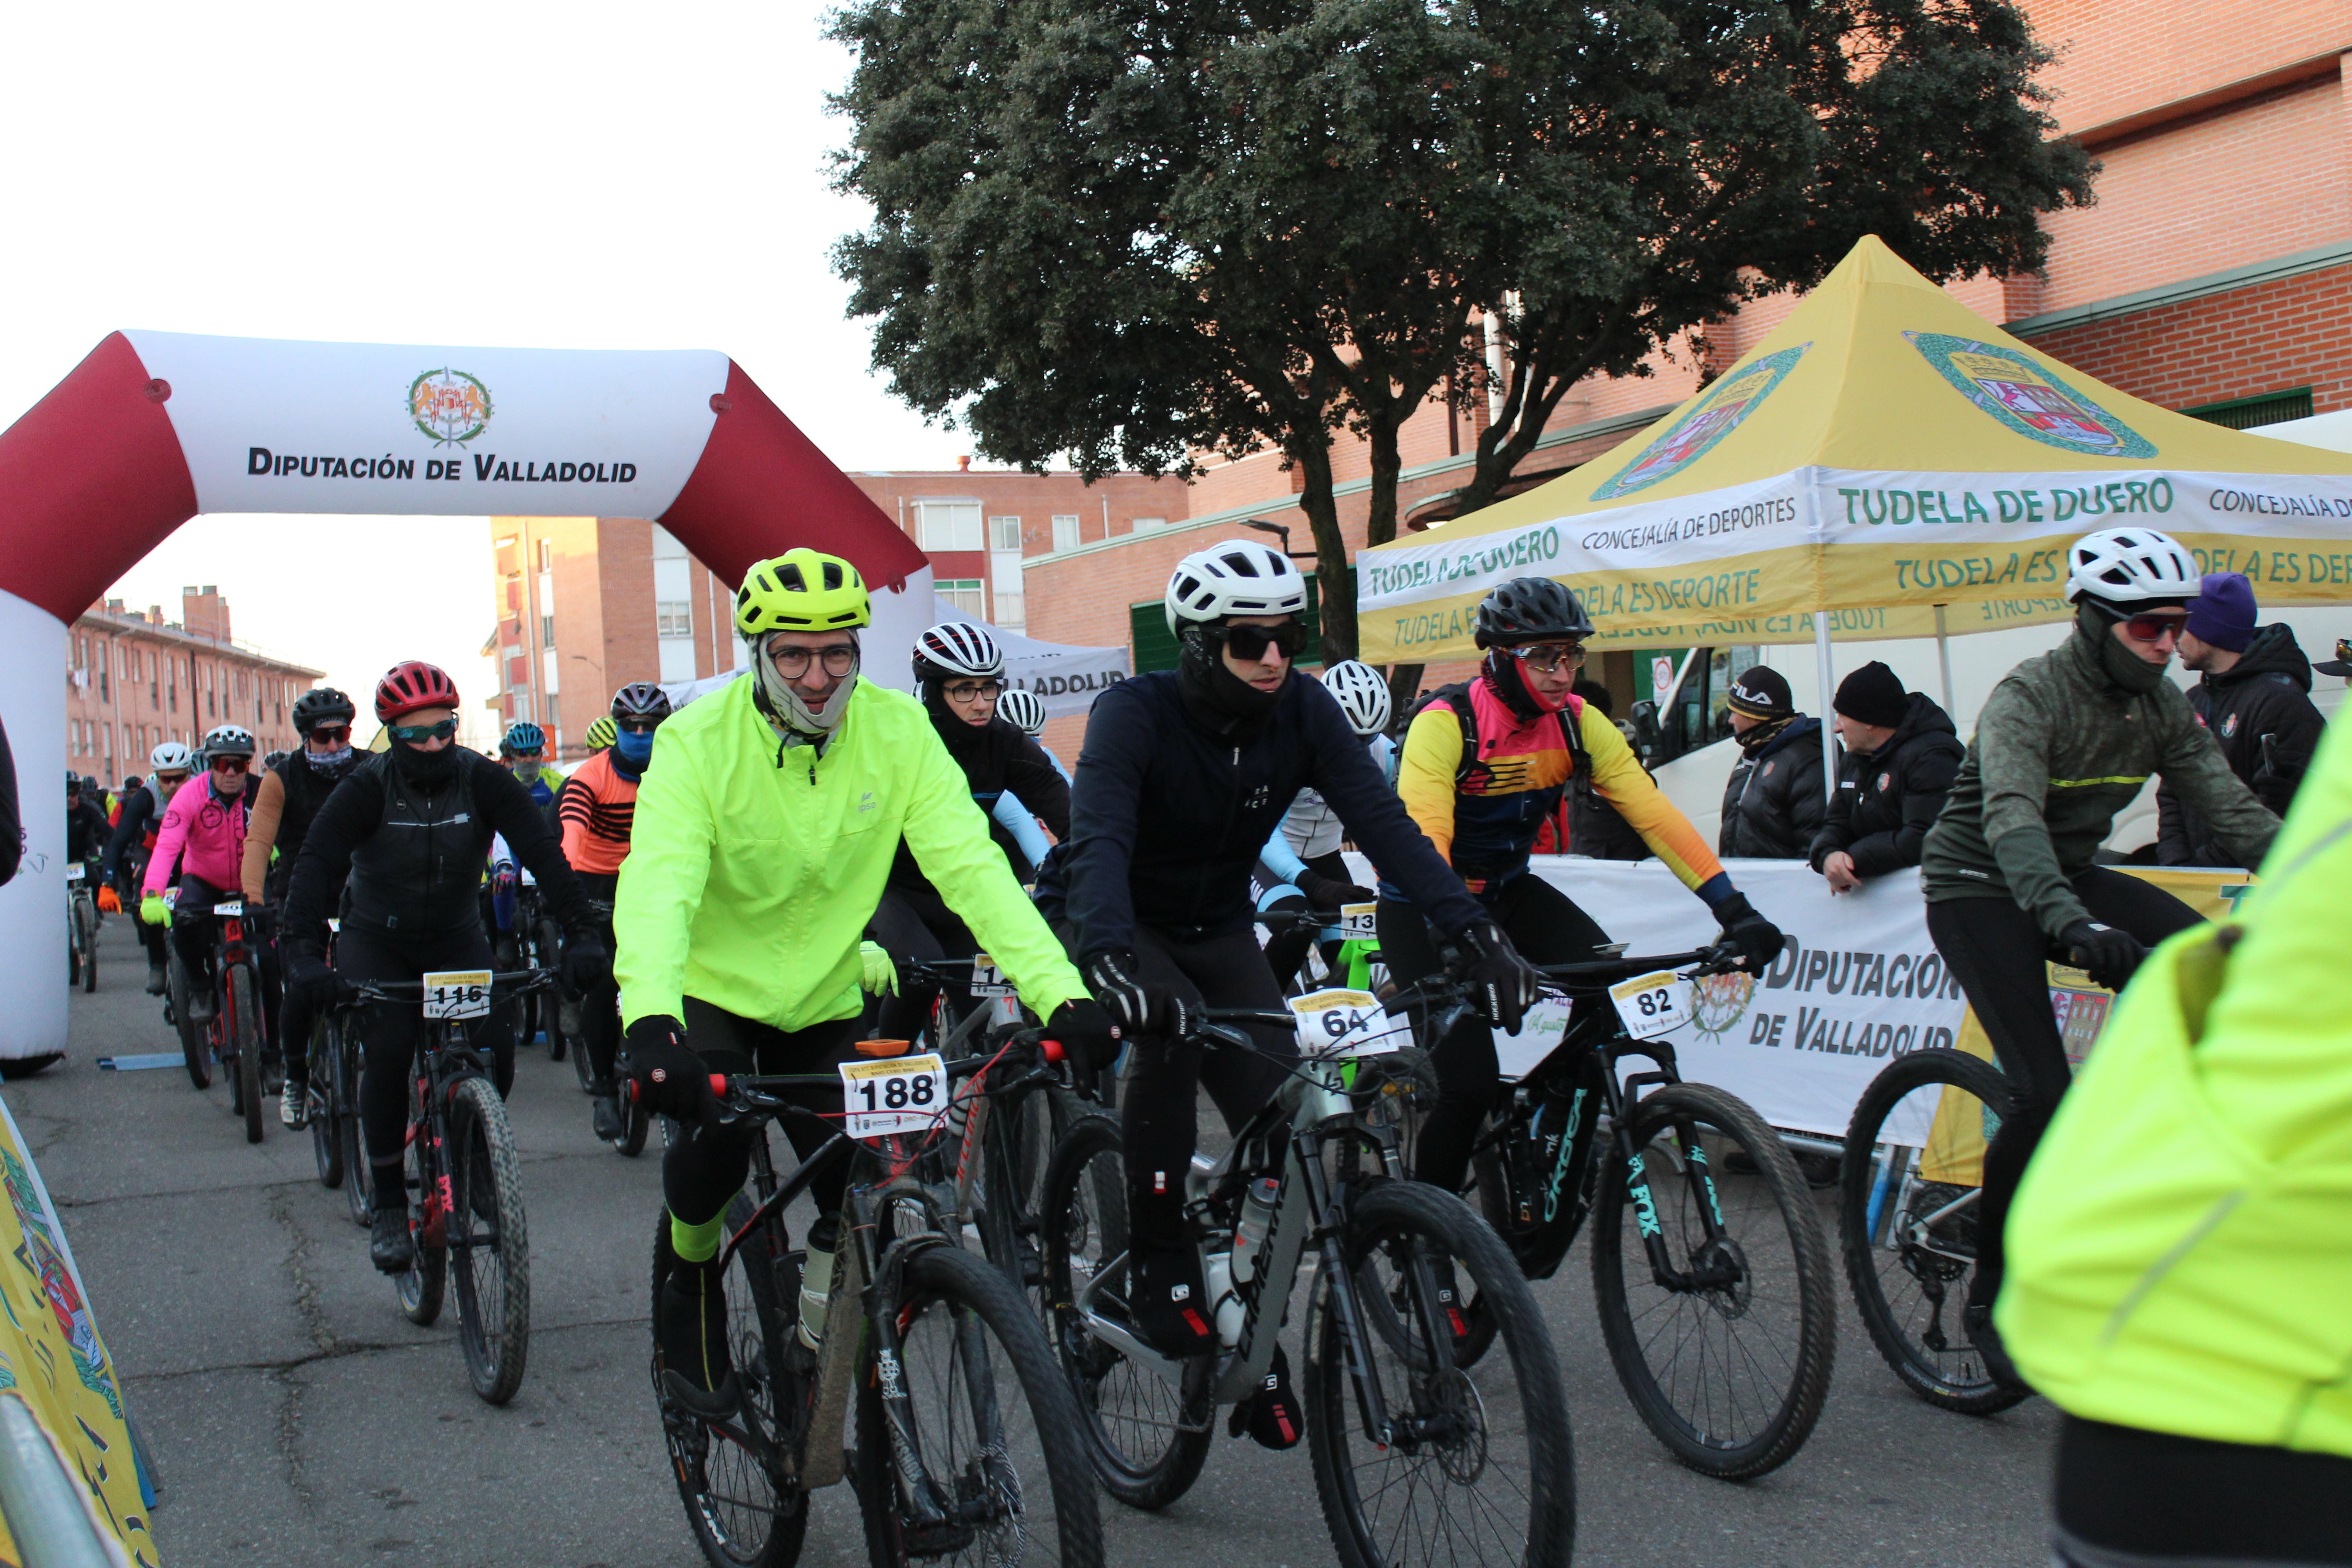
<point>1141,231</point>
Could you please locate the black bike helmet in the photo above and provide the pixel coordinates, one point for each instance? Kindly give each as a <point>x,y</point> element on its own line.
<point>73,784</point>
<point>641,700</point>
<point>320,705</point>
<point>1530,609</point>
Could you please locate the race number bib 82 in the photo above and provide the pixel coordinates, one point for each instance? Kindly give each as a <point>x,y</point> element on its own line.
<point>1651,1004</point>
<point>1347,1024</point>
<point>901,1094</point>
<point>457,993</point>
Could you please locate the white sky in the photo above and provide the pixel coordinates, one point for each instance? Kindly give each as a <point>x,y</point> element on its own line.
<point>558,176</point>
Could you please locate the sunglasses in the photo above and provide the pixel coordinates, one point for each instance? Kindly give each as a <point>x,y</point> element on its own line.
<point>174,780</point>
<point>791,663</point>
<point>231,764</point>
<point>412,733</point>
<point>1248,643</point>
<point>973,690</point>
<point>333,734</point>
<point>2153,625</point>
<point>637,726</point>
<point>2344,649</point>
<point>1549,656</point>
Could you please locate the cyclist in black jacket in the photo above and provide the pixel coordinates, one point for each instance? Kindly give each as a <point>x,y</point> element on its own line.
<point>1183,778</point>
<point>410,829</point>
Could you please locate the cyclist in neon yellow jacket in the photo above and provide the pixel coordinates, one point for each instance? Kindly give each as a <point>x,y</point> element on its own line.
<point>2180,1249</point>
<point>765,826</point>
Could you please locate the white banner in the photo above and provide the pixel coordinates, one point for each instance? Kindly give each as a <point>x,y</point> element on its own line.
<point>1066,678</point>
<point>376,428</point>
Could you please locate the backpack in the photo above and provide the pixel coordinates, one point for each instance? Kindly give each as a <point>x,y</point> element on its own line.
<point>1457,698</point>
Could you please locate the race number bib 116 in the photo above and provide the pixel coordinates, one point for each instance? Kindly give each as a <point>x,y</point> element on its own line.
<point>457,993</point>
<point>987,979</point>
<point>1360,922</point>
<point>901,1094</point>
<point>1651,1004</point>
<point>233,908</point>
<point>1347,1024</point>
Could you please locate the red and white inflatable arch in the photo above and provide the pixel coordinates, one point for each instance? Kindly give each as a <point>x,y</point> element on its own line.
<point>154,428</point>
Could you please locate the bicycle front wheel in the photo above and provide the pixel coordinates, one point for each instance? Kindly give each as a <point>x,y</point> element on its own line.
<point>1471,1465</point>
<point>1907,1220</point>
<point>421,1290</point>
<point>1022,1133</point>
<point>176,990</point>
<point>326,1125</point>
<point>1726,1354</point>
<point>244,1036</point>
<point>489,1242</point>
<point>343,1093</point>
<point>993,1425</point>
<point>86,943</point>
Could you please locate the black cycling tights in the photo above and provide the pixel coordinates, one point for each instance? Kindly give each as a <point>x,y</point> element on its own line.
<point>600,1012</point>
<point>1547,927</point>
<point>919,924</point>
<point>388,1034</point>
<point>706,1165</point>
<point>1997,953</point>
<point>2129,1499</point>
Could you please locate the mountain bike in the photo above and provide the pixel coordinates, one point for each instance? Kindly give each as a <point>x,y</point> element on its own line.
<point>966,1442</point>
<point>466,1185</point>
<point>234,1037</point>
<point>1709,1268</point>
<point>81,928</point>
<point>1907,1220</point>
<point>1416,1459</point>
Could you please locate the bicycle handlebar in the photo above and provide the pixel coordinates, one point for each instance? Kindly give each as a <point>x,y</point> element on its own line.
<point>1717,958</point>
<point>514,981</point>
<point>756,1090</point>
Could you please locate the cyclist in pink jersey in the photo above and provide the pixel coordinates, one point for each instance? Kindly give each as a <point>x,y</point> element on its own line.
<point>203,838</point>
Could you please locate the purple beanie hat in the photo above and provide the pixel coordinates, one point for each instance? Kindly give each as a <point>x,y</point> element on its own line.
<point>2223,611</point>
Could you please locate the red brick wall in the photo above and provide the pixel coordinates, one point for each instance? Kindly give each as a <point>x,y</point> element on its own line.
<point>98,712</point>
<point>2120,56</point>
<point>2296,331</point>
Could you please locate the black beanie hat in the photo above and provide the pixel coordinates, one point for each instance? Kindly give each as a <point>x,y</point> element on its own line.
<point>1761,694</point>
<point>1873,695</point>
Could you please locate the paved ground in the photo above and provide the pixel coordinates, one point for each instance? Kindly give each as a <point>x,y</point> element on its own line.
<point>298,1420</point>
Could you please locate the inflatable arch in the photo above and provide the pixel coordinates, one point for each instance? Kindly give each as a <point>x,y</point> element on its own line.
<point>154,428</point>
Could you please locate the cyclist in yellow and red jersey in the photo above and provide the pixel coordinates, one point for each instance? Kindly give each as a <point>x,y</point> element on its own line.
<point>596,810</point>
<point>1485,762</point>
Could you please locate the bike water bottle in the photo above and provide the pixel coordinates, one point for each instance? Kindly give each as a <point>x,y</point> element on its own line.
<point>1257,1218</point>
<point>1226,1302</point>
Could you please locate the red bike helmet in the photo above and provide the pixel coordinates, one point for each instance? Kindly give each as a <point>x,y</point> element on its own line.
<point>409,686</point>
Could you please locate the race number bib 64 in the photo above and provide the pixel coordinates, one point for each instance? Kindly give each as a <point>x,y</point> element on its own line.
<point>901,1094</point>
<point>1651,1004</point>
<point>457,993</point>
<point>1347,1024</point>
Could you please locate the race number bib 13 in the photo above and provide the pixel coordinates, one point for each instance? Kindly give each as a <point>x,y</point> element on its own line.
<point>987,979</point>
<point>1347,1024</point>
<point>901,1094</point>
<point>457,993</point>
<point>1651,1004</point>
<point>1360,922</point>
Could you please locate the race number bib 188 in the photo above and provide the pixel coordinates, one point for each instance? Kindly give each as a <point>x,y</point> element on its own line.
<point>457,993</point>
<point>1360,922</point>
<point>901,1094</point>
<point>1651,1004</point>
<point>1347,1024</point>
<point>987,979</point>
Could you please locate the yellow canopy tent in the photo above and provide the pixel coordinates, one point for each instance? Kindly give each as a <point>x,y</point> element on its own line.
<point>1883,463</point>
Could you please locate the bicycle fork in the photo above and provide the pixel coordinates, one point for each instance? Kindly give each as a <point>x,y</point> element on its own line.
<point>1716,1265</point>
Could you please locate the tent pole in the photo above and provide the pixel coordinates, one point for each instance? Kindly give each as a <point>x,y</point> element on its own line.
<point>1829,689</point>
<point>1944,660</point>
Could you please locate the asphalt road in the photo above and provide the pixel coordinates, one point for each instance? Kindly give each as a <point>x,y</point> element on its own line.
<point>297,1418</point>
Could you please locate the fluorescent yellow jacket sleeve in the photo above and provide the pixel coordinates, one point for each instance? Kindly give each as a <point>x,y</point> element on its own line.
<point>1432,754</point>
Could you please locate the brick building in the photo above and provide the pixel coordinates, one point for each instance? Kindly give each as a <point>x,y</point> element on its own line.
<point>134,682</point>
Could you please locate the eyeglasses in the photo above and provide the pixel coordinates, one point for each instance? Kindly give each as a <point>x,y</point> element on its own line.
<point>791,663</point>
<point>1549,656</point>
<point>638,726</point>
<point>412,734</point>
<point>2153,625</point>
<point>973,690</point>
<point>1248,643</point>
<point>333,734</point>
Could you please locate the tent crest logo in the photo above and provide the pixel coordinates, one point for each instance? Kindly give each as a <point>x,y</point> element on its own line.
<point>1687,440</point>
<point>2028,399</point>
<point>449,405</point>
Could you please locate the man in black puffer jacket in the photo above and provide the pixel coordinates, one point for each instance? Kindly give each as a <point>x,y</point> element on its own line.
<point>2255,699</point>
<point>1901,754</point>
<point>1774,801</point>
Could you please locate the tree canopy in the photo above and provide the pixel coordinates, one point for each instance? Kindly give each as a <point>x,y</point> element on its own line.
<point>1143,231</point>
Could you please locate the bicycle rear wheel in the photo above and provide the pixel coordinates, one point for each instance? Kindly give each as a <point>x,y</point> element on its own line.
<point>551,1008</point>
<point>1729,1360</point>
<point>86,943</point>
<point>731,1475</point>
<point>1907,1220</point>
<point>244,1037</point>
<point>489,1242</point>
<point>177,987</point>
<point>422,1288</point>
<point>1147,1439</point>
<point>1473,1466</point>
<point>994,1425</point>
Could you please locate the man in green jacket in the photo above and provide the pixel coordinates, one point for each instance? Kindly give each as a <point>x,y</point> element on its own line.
<point>2181,1253</point>
<point>2064,742</point>
<point>765,831</point>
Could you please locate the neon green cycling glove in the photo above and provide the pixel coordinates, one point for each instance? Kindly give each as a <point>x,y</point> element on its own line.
<point>878,975</point>
<point>152,910</point>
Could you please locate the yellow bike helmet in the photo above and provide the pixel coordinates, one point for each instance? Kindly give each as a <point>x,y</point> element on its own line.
<point>802,590</point>
<point>600,734</point>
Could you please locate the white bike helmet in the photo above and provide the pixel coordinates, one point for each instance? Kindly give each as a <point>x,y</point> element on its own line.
<point>171,757</point>
<point>1238,577</point>
<point>2130,566</point>
<point>957,649</point>
<point>1026,709</point>
<point>1363,694</point>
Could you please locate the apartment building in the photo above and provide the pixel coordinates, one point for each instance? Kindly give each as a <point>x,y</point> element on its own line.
<point>134,681</point>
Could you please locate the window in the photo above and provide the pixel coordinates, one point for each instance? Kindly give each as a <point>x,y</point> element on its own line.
<point>547,631</point>
<point>1141,523</point>
<point>964,594</point>
<point>546,557</point>
<point>1065,531</point>
<point>1004,534</point>
<point>2246,412</point>
<point>548,671</point>
<point>106,745</point>
<point>81,653</point>
<point>948,524</point>
<point>673,617</point>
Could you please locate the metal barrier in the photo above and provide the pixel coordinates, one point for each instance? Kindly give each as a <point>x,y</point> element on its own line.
<point>41,1500</point>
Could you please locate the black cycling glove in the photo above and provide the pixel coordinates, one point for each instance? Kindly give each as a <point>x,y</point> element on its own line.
<point>665,1075</point>
<point>1759,941</point>
<point>2109,956</point>
<point>1138,1008</point>
<point>1503,986</point>
<point>309,976</point>
<point>585,964</point>
<point>1088,1032</point>
<point>1325,894</point>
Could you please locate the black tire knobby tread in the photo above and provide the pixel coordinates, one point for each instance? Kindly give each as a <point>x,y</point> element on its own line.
<point>1169,1477</point>
<point>1906,1076</point>
<point>640,1121</point>
<point>85,920</point>
<point>1519,1326</point>
<point>192,1039</point>
<point>496,1376</point>
<point>953,1274</point>
<point>326,1128</point>
<point>245,1005</point>
<point>1816,1350</point>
